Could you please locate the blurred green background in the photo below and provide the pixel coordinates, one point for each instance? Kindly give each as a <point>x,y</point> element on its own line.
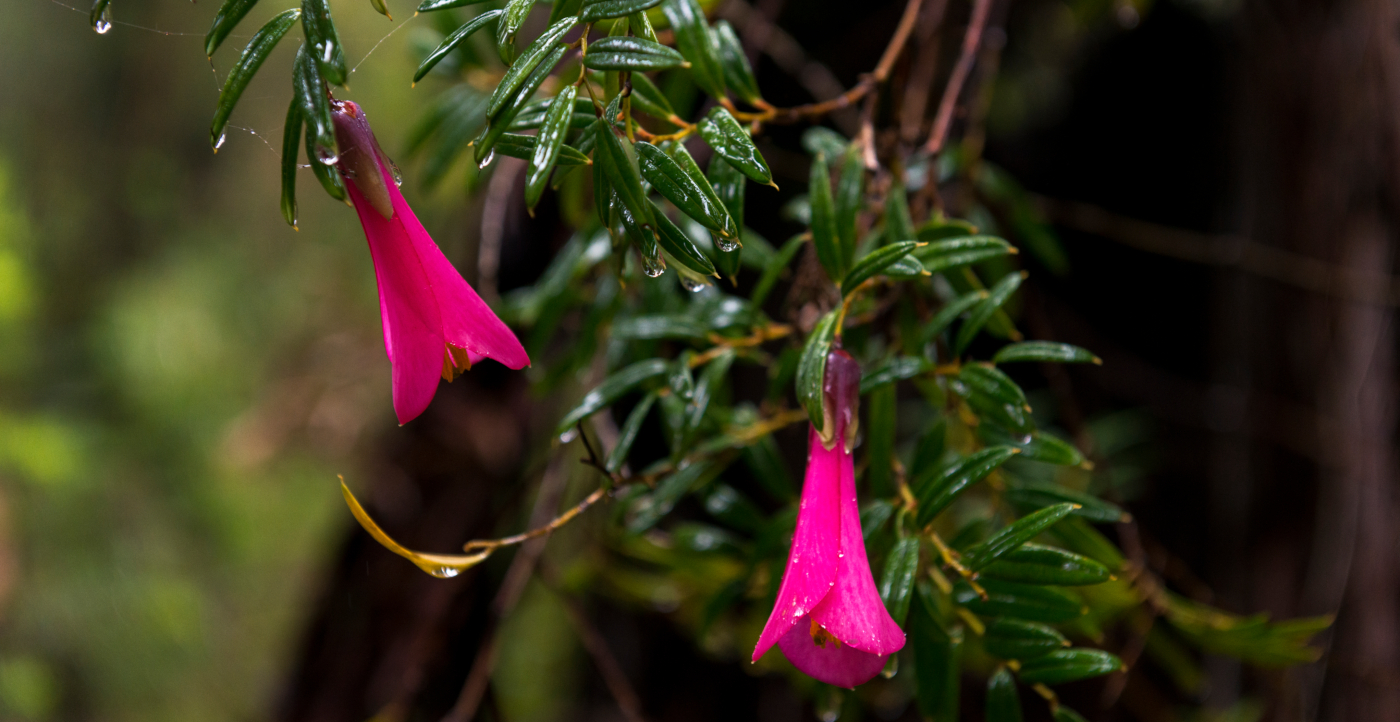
<point>182,375</point>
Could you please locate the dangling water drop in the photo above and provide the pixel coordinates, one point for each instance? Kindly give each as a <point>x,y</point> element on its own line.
<point>691,284</point>
<point>222,137</point>
<point>326,155</point>
<point>728,245</point>
<point>828,707</point>
<point>568,436</point>
<point>487,160</point>
<point>104,23</point>
<point>653,266</point>
<point>891,667</point>
<point>396,173</point>
<point>445,572</point>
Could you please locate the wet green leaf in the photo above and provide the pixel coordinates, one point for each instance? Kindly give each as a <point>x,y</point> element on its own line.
<point>850,196</point>
<point>812,369</point>
<point>895,369</point>
<point>99,14</point>
<point>431,5</point>
<point>1034,495</point>
<point>897,581</point>
<point>982,312</point>
<point>679,245</point>
<point>486,142</point>
<point>532,115</point>
<point>937,489</point>
<point>594,10</point>
<point>651,508</point>
<point>1023,601</point>
<point>1039,446</point>
<point>683,184</point>
<point>649,99</point>
<point>451,42</point>
<point>549,143</point>
<point>611,389</point>
<point>694,41</point>
<point>619,163</point>
<point>631,54</point>
<point>291,140</point>
<point>823,221</point>
<point>1046,351</point>
<point>264,40</point>
<point>324,43</point>
<point>516,11</point>
<point>941,255</point>
<point>627,436</point>
<point>512,83</point>
<point>1011,417</point>
<point>1014,535</point>
<point>873,264</point>
<point>525,147</point>
<point>728,185</point>
<point>732,142</point>
<point>1021,640</point>
<point>320,134</point>
<point>1069,665</point>
<point>1003,702</point>
<point>1036,564</point>
<point>994,383</point>
<point>949,313</point>
<point>563,9</point>
<point>642,233</point>
<point>738,75</point>
<point>898,225</point>
<point>230,14</point>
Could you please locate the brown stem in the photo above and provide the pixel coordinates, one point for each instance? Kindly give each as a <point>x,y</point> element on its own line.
<point>971,40</point>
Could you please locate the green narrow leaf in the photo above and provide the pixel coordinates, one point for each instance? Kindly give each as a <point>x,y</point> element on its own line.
<point>710,380</point>
<point>729,139</point>
<point>431,5</point>
<point>881,421</point>
<point>898,225</point>
<point>643,236</point>
<point>873,264</point>
<point>515,13</point>
<point>563,9</point>
<point>381,8</point>
<point>649,99</point>
<point>765,461</point>
<point>1045,351</point>
<point>1021,640</point>
<point>774,267</point>
<point>291,139</point>
<point>937,660</point>
<point>1040,494</point>
<point>892,370</point>
<point>524,147</point>
<point>594,10</point>
<point>549,141</point>
<point>994,383</point>
<point>451,42</point>
<point>694,41</point>
<point>1023,601</point>
<point>728,184</point>
<point>738,74</point>
<point>628,434</point>
<point>939,227</point>
<point>512,83</point>
<point>619,161</point>
<point>949,313</point>
<point>1036,564</point>
<point>679,245</point>
<point>230,14</point>
<point>928,451</point>
<point>651,508</point>
<point>320,135</point>
<point>611,389</point>
<point>639,24</point>
<point>1011,417</point>
<point>685,187</point>
<point>1069,665</point>
<point>486,142</point>
<point>1003,702</point>
<point>325,47</point>
<point>897,581</point>
<point>631,54</point>
<point>659,325</point>
<point>811,370</point>
<point>873,517</point>
<point>850,196</point>
<point>939,488</point>
<point>602,192</point>
<point>983,312</point>
<point>941,255</point>
<point>824,220</point>
<point>264,40</point>
<point>1039,446</point>
<point>1014,535</point>
<point>821,140</point>
<point>1065,714</point>
<point>730,506</point>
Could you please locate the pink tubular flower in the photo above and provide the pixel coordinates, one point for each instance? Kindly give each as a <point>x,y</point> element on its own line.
<point>434,323</point>
<point>829,619</point>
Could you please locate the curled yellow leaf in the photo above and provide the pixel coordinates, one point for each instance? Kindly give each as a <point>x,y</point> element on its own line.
<point>443,566</point>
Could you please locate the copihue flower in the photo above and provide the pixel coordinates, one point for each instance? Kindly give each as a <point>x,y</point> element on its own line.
<point>829,620</point>
<point>435,326</point>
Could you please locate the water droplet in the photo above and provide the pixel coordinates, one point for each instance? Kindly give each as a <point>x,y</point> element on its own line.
<point>104,23</point>
<point>728,245</point>
<point>828,707</point>
<point>487,160</point>
<point>445,572</point>
<point>568,436</point>
<point>326,155</point>
<point>396,173</point>
<point>222,137</point>
<point>653,266</point>
<point>692,284</point>
<point>891,667</point>
<point>348,173</point>
<point>326,51</point>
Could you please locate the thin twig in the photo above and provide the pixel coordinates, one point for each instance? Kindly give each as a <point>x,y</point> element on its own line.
<point>971,40</point>
<point>923,71</point>
<point>627,699</point>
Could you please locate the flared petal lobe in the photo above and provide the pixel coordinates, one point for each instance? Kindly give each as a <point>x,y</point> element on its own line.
<point>426,307</point>
<point>845,637</point>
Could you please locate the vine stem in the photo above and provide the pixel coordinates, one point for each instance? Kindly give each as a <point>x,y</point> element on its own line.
<point>971,40</point>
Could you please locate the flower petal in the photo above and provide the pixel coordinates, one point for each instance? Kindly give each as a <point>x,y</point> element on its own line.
<point>816,543</point>
<point>838,664</point>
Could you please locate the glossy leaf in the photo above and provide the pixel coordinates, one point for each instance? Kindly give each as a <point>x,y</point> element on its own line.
<point>982,313</point>
<point>641,231</point>
<point>823,221</point>
<point>895,369</point>
<point>291,140</point>
<point>324,43</point>
<point>563,9</point>
<point>631,54</point>
<point>1014,535</point>
<point>679,245</point>
<point>728,185</point>
<point>1035,495</point>
<point>548,144</point>
<point>873,264</point>
<point>1069,665</point>
<point>431,5</point>
<point>513,82</point>
<point>514,16</point>
<point>230,14</point>
<point>611,389</point>
<point>1023,601</point>
<point>738,74</point>
<point>850,196</point>
<point>683,184</point>
<point>594,10</point>
<point>1021,640</point>
<point>1011,417</point>
<point>994,383</point>
<point>1036,564</point>
<point>694,41</point>
<point>1039,446</point>
<point>619,163</point>
<point>457,37</point>
<point>532,115</point>
<point>774,268</point>
<point>949,313</point>
<point>732,142</point>
<point>897,580</point>
<point>1003,702</point>
<point>939,488</point>
<point>264,40</point>
<point>486,142</point>
<point>627,435</point>
<point>811,370</point>
<point>941,255</point>
<point>381,8</point>
<point>1045,351</point>
<point>320,137</point>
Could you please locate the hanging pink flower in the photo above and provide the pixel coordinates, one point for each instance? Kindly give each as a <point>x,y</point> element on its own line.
<point>829,619</point>
<point>435,326</point>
